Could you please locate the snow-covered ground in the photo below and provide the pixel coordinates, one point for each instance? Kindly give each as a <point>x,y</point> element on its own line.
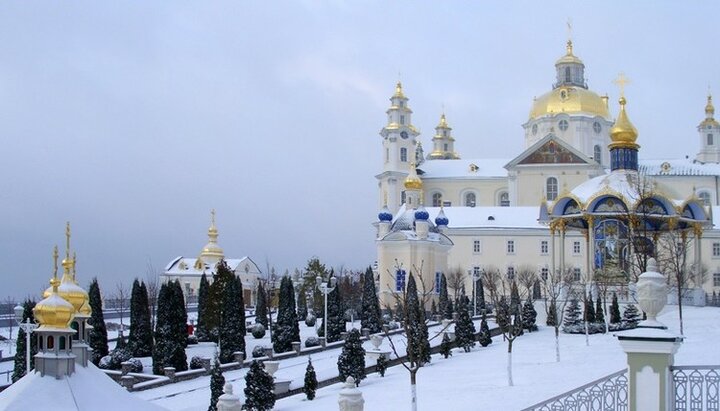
<point>475,380</point>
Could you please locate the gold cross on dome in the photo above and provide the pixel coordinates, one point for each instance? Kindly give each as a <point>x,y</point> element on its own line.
<point>212,216</point>
<point>621,81</point>
<point>569,29</point>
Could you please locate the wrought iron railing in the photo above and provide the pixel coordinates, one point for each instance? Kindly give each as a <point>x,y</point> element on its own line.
<point>607,393</point>
<point>697,388</point>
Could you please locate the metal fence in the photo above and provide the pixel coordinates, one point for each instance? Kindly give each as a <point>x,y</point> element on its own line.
<point>607,393</point>
<point>697,388</point>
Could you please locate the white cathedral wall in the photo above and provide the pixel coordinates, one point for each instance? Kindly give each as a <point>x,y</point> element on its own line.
<point>530,182</point>
<point>454,189</point>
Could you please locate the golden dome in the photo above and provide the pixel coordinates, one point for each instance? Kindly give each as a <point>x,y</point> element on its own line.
<point>68,288</point>
<point>709,114</point>
<point>412,181</point>
<point>569,57</point>
<point>398,91</point>
<point>443,122</point>
<point>212,249</point>
<point>54,311</point>
<point>623,133</point>
<point>569,100</point>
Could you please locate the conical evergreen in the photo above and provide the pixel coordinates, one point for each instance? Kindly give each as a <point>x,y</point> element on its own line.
<point>311,382</point>
<point>529,315</point>
<point>222,277</point>
<point>20,345</point>
<point>464,327</point>
<point>484,338</point>
<point>201,330</point>
<point>371,317</point>
<point>418,348</point>
<point>551,319</point>
<point>572,323</point>
<point>261,309</point>
<point>443,300</point>
<point>259,388</point>
<point>515,303</point>
<point>168,351</point>
<point>232,322</point>
<point>286,327</point>
<point>599,315</point>
<point>446,346</point>
<point>140,340</point>
<point>631,316</point>
<point>217,383</point>
<point>180,318</point>
<point>335,317</point>
<point>589,310</point>
<point>302,309</point>
<point>480,295</point>
<point>351,362</point>
<point>615,310</point>
<point>97,339</point>
<point>502,316</point>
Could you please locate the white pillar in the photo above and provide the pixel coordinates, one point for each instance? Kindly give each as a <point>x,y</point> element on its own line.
<point>228,401</point>
<point>350,398</point>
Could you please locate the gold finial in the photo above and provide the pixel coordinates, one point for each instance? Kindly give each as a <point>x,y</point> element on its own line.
<point>621,81</point>
<point>709,107</point>
<point>212,217</point>
<point>623,133</point>
<point>443,121</point>
<point>67,240</point>
<point>55,260</point>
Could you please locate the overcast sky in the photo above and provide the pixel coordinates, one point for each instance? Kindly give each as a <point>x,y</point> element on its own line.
<point>133,120</point>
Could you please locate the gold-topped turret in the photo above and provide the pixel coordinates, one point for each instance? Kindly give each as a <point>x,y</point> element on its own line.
<point>412,181</point>
<point>623,133</point>
<point>398,91</point>
<point>709,114</point>
<point>54,311</point>
<point>569,57</point>
<point>212,251</point>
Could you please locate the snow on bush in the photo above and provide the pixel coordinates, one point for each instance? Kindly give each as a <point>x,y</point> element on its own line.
<point>312,342</point>
<point>310,320</point>
<point>196,362</point>
<point>258,331</point>
<point>258,351</point>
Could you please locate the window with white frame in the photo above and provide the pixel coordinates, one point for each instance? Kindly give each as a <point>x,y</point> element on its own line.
<point>510,247</point>
<point>716,249</point>
<point>716,280</point>
<point>470,200</point>
<point>704,196</point>
<point>511,273</point>
<point>551,188</point>
<point>544,272</point>
<point>576,247</point>
<point>576,274</point>
<point>477,246</point>
<point>436,199</point>
<point>403,197</point>
<point>403,155</point>
<point>543,247</point>
<point>477,271</point>
<point>402,119</point>
<point>504,199</point>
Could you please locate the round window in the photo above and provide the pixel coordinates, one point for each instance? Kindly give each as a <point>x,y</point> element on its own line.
<point>534,129</point>
<point>597,127</point>
<point>563,124</point>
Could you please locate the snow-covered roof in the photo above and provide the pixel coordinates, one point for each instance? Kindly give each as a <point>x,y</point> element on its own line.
<point>489,217</point>
<point>87,389</point>
<point>678,167</point>
<point>464,168</point>
<point>186,266</point>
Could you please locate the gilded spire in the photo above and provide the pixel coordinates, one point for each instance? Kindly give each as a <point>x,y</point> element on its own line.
<point>67,263</point>
<point>443,122</point>
<point>399,90</point>
<point>53,311</point>
<point>709,108</point>
<point>55,266</point>
<point>212,250</point>
<point>413,182</point>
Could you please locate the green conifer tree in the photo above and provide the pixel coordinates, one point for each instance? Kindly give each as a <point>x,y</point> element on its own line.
<point>311,382</point>
<point>286,327</point>
<point>261,309</point>
<point>446,346</point>
<point>217,383</point>
<point>443,300</point>
<point>615,310</point>
<point>484,338</point>
<point>201,330</point>
<point>418,339</point>
<point>98,334</point>
<point>464,327</point>
<point>140,340</point>
<point>589,310</point>
<point>371,316</point>
<point>232,322</point>
<point>351,362</point>
<point>20,345</point>
<point>259,388</point>
<point>529,315</point>
<point>302,309</point>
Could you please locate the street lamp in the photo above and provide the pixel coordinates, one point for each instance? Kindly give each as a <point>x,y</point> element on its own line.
<point>475,276</point>
<point>325,289</point>
<point>28,327</point>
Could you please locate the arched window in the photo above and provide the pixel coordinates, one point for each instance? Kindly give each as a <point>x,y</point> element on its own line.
<point>551,188</point>
<point>504,199</point>
<point>568,76</point>
<point>403,155</point>
<point>436,199</point>
<point>62,342</point>
<point>470,200</point>
<point>403,197</point>
<point>709,139</point>
<point>50,342</point>
<point>563,125</point>
<point>597,154</point>
<point>704,196</point>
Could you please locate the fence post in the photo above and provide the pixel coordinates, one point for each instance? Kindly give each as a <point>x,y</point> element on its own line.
<point>650,348</point>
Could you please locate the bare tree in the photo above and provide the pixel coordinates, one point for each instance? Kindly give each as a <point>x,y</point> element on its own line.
<point>508,318</point>
<point>122,298</point>
<point>556,286</point>
<point>152,283</point>
<point>527,278</point>
<point>456,280</point>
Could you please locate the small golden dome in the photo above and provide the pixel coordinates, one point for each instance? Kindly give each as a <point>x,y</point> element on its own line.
<point>709,108</point>
<point>412,181</point>
<point>85,310</point>
<point>212,249</point>
<point>569,57</point>
<point>53,311</point>
<point>623,133</point>
<point>443,122</point>
<point>569,100</point>
<point>398,91</point>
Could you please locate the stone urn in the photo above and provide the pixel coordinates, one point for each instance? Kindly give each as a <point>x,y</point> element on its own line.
<point>271,367</point>
<point>376,340</point>
<point>652,295</point>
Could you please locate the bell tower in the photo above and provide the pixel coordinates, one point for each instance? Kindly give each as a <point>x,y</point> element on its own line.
<point>709,130</point>
<point>399,140</point>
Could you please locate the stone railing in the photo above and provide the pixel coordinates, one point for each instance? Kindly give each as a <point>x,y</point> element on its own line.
<point>696,388</point>
<point>607,393</point>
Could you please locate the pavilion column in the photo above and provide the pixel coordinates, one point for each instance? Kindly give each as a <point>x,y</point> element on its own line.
<point>552,249</point>
<point>589,248</point>
<point>698,292</point>
<point>562,247</point>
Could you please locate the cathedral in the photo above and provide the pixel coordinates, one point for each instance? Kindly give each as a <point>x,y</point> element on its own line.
<point>443,212</point>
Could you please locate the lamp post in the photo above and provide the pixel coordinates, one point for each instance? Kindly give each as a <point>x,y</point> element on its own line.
<point>475,276</point>
<point>28,327</point>
<point>325,289</point>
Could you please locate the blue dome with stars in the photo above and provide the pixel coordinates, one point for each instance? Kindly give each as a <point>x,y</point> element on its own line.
<point>385,215</point>
<point>421,214</point>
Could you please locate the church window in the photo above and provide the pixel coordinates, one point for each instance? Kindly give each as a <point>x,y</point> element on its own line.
<point>510,246</point>
<point>543,247</point>
<point>477,246</point>
<point>403,155</point>
<point>62,342</point>
<point>544,273</point>
<point>444,133</point>
<point>597,127</point>
<point>716,249</point>
<point>402,119</point>
<point>576,247</point>
<point>400,280</point>
<point>709,139</point>
<point>551,188</point>
<point>534,129</point>
<point>401,103</point>
<point>438,280</point>
<point>504,199</point>
<point>445,147</point>
<point>511,273</point>
<point>576,274</point>
<point>597,153</point>
<point>403,197</point>
<point>470,200</point>
<point>387,155</point>
<point>563,125</point>
<point>436,199</point>
<point>568,75</point>
<point>704,196</point>
<point>716,279</point>
<point>50,342</point>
